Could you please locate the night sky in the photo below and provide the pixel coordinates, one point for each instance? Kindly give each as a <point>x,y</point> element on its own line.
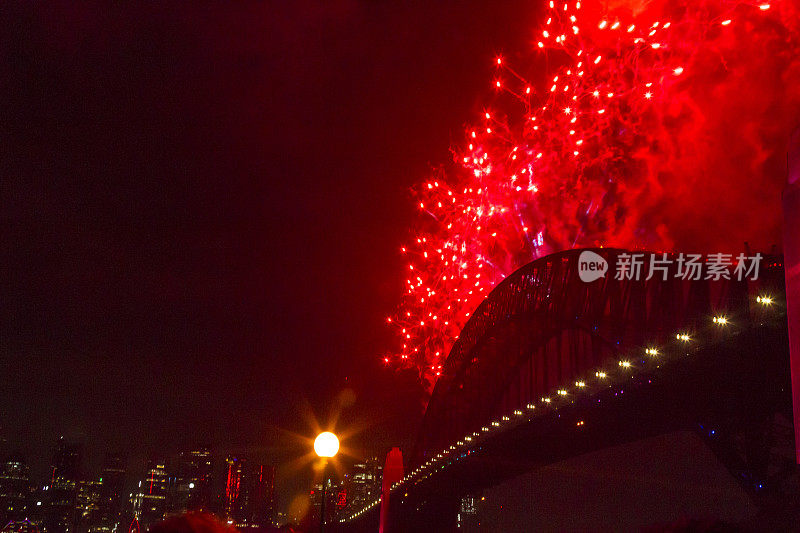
<point>202,210</point>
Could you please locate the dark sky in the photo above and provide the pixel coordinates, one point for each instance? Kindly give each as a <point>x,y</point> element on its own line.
<point>202,209</point>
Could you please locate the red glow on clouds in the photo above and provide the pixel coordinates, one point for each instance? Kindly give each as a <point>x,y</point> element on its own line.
<point>658,125</point>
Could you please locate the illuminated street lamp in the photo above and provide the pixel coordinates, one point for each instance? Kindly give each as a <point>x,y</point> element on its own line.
<point>326,445</point>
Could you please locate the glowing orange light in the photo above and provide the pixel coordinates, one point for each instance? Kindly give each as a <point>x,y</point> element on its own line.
<point>326,444</point>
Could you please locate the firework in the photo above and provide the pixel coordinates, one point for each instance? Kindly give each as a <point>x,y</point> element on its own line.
<point>651,111</point>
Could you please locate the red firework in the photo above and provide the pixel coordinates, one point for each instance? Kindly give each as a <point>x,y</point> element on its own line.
<point>653,110</point>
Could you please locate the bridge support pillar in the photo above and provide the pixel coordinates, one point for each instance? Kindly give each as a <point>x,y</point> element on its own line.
<point>392,473</point>
<point>791,252</point>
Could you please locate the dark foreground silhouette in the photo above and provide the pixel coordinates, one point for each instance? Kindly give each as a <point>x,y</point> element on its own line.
<point>196,522</point>
<point>192,523</point>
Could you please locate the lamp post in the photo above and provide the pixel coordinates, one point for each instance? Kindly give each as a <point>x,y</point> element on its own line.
<point>326,445</point>
<point>791,268</point>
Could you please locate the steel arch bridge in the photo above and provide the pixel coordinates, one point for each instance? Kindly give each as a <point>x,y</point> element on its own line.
<point>543,329</point>
<point>550,366</point>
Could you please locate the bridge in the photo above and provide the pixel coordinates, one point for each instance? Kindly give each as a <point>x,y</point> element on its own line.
<point>551,367</point>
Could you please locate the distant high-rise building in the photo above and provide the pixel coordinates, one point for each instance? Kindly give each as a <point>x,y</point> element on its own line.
<point>66,462</point>
<point>363,484</point>
<point>15,490</point>
<point>111,504</point>
<point>335,499</point>
<point>235,501</point>
<point>59,497</point>
<point>87,505</point>
<point>261,488</point>
<point>192,488</point>
<point>150,499</point>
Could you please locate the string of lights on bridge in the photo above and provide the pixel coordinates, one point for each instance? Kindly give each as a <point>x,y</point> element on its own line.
<point>603,378</point>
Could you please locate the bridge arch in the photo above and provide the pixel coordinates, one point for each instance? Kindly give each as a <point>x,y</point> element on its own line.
<point>543,329</point>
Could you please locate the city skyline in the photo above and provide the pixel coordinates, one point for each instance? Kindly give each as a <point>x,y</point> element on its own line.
<point>175,476</point>
<point>235,487</point>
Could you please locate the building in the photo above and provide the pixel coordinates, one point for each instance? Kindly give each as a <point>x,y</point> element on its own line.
<point>363,484</point>
<point>88,505</point>
<point>261,488</point>
<point>59,497</point>
<point>191,488</point>
<point>150,498</point>
<point>335,499</point>
<point>249,492</point>
<point>15,490</point>
<point>235,499</point>
<point>111,504</point>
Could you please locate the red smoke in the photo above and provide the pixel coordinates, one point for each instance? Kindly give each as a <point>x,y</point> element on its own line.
<point>662,126</point>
